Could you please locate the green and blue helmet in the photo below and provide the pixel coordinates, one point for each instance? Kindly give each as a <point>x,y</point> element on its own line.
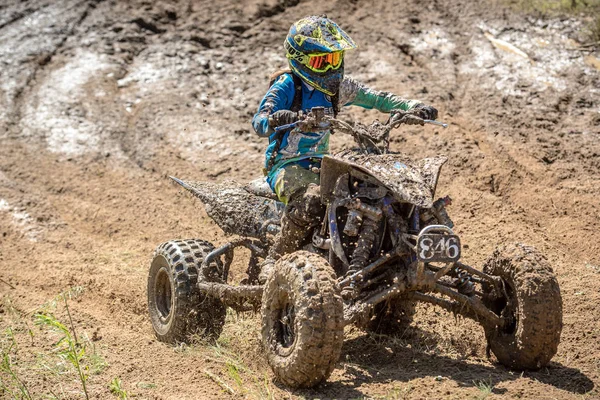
<point>315,49</point>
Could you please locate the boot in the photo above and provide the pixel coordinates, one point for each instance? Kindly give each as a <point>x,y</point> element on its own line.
<point>303,212</point>
<point>291,238</point>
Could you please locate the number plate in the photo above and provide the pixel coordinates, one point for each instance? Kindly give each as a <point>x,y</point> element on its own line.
<point>433,247</point>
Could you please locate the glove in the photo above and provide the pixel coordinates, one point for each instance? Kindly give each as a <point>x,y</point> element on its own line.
<point>282,117</point>
<point>413,120</point>
<point>406,117</point>
<point>425,112</point>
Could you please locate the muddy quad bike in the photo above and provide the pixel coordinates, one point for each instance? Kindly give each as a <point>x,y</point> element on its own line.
<point>383,244</point>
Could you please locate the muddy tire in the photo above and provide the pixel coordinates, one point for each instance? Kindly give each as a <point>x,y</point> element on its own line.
<point>392,317</point>
<point>177,309</point>
<point>534,307</point>
<point>302,320</point>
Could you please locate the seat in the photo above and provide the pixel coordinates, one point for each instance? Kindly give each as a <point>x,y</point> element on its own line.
<point>260,187</point>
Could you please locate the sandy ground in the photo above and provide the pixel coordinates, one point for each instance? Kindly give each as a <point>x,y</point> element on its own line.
<point>101,100</point>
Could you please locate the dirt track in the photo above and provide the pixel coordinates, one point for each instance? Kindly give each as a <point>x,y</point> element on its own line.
<point>101,100</point>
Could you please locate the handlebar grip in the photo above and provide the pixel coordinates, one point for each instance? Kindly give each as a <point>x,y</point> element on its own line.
<point>284,127</point>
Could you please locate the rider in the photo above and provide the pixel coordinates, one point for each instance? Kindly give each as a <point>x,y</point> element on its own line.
<point>315,47</point>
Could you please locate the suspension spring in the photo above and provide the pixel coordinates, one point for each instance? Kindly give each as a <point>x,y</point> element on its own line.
<point>463,282</point>
<point>364,244</point>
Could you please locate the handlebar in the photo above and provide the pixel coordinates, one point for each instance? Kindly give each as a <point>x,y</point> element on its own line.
<point>285,127</point>
<point>367,137</point>
<point>320,119</point>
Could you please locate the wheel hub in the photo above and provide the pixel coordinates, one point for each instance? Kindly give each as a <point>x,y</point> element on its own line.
<point>164,295</point>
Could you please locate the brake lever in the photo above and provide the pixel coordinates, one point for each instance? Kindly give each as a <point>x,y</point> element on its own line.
<point>395,122</point>
<point>434,122</point>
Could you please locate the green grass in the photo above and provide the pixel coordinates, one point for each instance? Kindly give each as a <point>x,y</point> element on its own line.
<point>10,382</point>
<point>485,389</point>
<point>233,365</point>
<point>97,363</point>
<point>67,347</point>
<point>25,359</point>
<point>116,388</point>
<point>146,385</point>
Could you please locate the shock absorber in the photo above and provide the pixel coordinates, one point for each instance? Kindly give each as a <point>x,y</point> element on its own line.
<point>364,244</point>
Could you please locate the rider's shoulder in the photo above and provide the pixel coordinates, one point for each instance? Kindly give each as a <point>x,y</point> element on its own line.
<point>282,78</point>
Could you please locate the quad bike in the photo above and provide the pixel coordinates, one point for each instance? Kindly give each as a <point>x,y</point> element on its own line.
<point>383,245</point>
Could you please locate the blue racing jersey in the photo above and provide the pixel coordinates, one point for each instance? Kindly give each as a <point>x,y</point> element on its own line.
<point>296,145</point>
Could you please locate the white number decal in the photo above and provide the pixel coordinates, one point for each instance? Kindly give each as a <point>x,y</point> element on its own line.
<point>452,249</point>
<point>443,247</point>
<point>426,251</point>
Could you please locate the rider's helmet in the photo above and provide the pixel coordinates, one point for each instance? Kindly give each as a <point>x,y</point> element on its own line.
<point>315,49</point>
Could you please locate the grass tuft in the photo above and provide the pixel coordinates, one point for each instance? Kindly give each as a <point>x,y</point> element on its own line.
<point>68,348</point>
<point>10,382</point>
<point>485,389</point>
<point>116,388</point>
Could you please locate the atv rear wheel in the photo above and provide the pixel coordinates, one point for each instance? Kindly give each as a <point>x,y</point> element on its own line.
<point>302,320</point>
<point>177,308</point>
<point>532,305</point>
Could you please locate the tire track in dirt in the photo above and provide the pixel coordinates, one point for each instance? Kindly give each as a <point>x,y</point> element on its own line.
<point>34,62</point>
<point>19,15</point>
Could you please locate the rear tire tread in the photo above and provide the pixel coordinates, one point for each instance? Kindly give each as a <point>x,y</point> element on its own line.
<point>192,313</point>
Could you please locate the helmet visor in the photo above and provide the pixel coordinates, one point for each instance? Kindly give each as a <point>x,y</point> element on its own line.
<point>324,62</point>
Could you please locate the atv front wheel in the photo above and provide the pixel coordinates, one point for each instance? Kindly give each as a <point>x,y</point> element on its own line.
<point>302,320</point>
<point>532,305</point>
<point>177,308</point>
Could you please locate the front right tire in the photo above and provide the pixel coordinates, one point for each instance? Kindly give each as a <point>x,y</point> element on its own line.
<point>302,320</point>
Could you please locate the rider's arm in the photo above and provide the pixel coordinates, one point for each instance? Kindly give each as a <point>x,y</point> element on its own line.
<point>354,93</point>
<point>279,97</point>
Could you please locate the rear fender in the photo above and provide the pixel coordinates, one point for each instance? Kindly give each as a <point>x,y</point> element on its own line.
<point>234,209</point>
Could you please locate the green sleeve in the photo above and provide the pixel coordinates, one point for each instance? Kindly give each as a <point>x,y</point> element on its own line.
<point>357,94</point>
<point>382,101</point>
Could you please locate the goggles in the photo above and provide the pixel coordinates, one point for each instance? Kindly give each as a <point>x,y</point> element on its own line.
<point>324,62</point>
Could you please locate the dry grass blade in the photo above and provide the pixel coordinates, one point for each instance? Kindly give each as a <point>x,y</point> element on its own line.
<point>220,382</point>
